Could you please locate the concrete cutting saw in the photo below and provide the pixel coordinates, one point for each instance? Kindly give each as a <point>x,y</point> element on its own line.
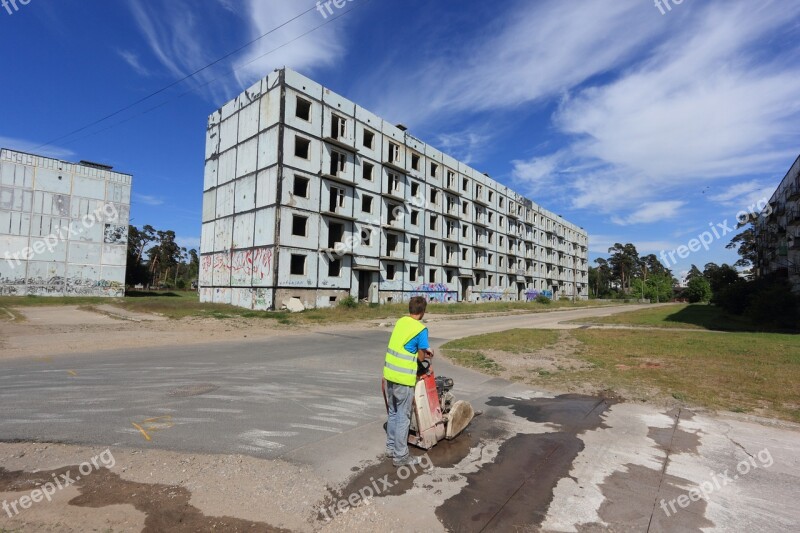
<point>436,414</point>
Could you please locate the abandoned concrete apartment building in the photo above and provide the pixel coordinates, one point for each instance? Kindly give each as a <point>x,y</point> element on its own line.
<point>309,196</point>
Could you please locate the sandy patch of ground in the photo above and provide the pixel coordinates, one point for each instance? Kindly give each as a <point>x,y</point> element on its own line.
<point>47,331</point>
<point>156,490</point>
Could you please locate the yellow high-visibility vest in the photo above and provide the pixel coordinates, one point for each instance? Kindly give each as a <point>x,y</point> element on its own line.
<point>400,365</point>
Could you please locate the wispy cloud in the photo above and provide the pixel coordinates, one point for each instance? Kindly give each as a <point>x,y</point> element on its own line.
<point>178,37</point>
<point>23,145</point>
<point>650,212</point>
<point>466,146</point>
<point>133,61</point>
<point>147,199</point>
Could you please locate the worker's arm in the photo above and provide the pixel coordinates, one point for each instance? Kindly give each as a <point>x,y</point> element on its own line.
<point>422,355</point>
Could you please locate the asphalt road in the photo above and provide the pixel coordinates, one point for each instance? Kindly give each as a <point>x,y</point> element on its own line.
<point>558,463</point>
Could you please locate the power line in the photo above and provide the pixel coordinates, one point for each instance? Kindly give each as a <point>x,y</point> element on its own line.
<point>177,82</point>
<point>209,82</point>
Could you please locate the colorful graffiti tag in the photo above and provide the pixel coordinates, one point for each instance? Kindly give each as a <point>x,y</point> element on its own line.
<point>436,292</point>
<point>532,294</point>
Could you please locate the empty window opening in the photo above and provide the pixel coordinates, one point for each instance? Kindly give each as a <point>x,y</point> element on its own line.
<point>465,208</point>
<point>415,161</point>
<point>450,276</point>
<point>302,147</point>
<point>491,196</point>
<point>394,213</point>
<point>432,275</point>
<point>369,139</point>
<point>300,187</point>
<point>434,170</point>
<point>336,199</point>
<point>366,203</point>
<point>415,218</point>
<point>303,109</point>
<point>432,249</point>
<point>434,197</point>
<point>464,253</point>
<point>414,189</point>
<point>412,273</point>
<point>451,179</point>
<point>391,270</point>
<point>338,163</point>
<point>338,127</point>
<point>299,226</point>
<point>434,222</point>
<point>394,183</point>
<point>298,265</point>
<point>414,246</point>
<point>500,202</point>
<point>366,236</point>
<point>491,259</point>
<point>335,234</point>
<point>464,184</point>
<point>367,170</point>
<point>391,244</point>
<point>394,152</point>
<point>465,231</point>
<point>334,271</point>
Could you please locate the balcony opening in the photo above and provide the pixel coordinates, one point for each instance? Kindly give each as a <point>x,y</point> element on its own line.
<point>394,152</point>
<point>338,127</point>
<point>335,234</point>
<point>336,199</point>
<point>338,163</point>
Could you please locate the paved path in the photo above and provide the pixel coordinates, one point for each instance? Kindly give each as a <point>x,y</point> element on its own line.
<point>530,461</point>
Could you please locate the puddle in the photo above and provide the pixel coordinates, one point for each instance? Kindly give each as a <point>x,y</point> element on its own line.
<point>166,506</point>
<point>515,491</point>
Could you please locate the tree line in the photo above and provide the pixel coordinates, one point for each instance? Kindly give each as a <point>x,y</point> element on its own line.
<point>156,260</point>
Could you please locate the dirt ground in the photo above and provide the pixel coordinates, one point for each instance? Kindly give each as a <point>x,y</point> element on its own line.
<point>48,331</point>
<point>169,491</point>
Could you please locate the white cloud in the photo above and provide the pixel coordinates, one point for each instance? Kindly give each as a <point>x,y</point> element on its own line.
<point>33,147</point>
<point>466,146</point>
<point>532,51</point>
<point>323,47</point>
<point>134,62</point>
<point>147,199</point>
<point>178,37</point>
<point>650,212</point>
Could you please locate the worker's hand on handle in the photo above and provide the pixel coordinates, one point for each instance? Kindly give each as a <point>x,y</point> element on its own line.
<point>429,354</point>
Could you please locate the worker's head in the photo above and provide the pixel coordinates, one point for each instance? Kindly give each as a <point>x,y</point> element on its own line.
<point>417,306</point>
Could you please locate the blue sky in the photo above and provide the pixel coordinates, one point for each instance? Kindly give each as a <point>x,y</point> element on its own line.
<point>640,126</point>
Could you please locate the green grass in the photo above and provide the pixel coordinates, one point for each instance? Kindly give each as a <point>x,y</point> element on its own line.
<point>742,372</point>
<point>179,305</point>
<point>694,316</point>
<point>512,341</point>
<point>475,360</point>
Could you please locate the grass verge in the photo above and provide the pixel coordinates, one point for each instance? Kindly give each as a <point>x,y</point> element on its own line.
<point>683,316</point>
<point>755,373</point>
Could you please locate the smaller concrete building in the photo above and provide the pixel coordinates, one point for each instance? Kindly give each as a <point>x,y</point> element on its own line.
<point>778,233</point>
<point>63,227</point>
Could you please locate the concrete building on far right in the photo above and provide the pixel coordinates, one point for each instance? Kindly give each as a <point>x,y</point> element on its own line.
<point>777,235</point>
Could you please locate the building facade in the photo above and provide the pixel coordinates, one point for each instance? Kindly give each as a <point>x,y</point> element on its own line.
<point>778,233</point>
<point>63,227</point>
<point>308,196</point>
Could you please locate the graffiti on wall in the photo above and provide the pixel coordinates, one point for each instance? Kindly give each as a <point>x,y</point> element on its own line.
<point>114,234</point>
<point>496,294</point>
<point>61,286</point>
<point>532,294</point>
<point>242,265</point>
<point>436,292</point>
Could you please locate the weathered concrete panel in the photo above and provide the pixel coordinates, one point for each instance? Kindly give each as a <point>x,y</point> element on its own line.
<point>247,157</point>
<point>243,233</point>
<point>265,227</point>
<point>245,194</point>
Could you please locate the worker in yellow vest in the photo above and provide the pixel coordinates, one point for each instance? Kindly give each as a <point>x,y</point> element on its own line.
<point>408,345</point>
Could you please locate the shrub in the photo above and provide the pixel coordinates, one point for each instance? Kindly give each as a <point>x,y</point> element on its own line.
<point>542,299</point>
<point>775,305</point>
<point>181,284</point>
<point>698,290</point>
<point>348,302</point>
